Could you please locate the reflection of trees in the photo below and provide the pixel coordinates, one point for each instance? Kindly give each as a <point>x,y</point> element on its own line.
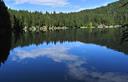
<point>124,33</point>
<point>5,32</point>
<point>5,45</point>
<point>107,37</point>
<point>17,28</point>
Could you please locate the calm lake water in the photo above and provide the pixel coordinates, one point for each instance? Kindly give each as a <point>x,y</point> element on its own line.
<point>93,55</point>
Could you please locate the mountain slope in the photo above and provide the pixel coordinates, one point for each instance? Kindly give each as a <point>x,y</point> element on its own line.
<point>113,14</point>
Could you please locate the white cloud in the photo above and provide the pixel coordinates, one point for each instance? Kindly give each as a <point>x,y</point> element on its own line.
<point>60,54</point>
<point>57,53</point>
<point>44,2</point>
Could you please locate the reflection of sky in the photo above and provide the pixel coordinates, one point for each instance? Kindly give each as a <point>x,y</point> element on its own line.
<point>68,53</point>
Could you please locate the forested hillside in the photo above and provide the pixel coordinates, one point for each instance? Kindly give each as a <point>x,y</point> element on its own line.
<point>113,14</point>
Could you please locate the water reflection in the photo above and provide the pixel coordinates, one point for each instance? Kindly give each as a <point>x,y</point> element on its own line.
<point>48,57</point>
<point>124,33</point>
<point>75,62</point>
<point>57,53</point>
<point>107,37</point>
<point>5,46</point>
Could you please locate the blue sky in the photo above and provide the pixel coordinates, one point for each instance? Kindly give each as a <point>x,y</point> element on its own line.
<point>56,5</point>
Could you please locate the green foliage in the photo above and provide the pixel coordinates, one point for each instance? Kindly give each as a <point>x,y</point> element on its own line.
<point>112,14</point>
<point>89,25</point>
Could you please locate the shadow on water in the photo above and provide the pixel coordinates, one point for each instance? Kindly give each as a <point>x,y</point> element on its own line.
<point>5,32</point>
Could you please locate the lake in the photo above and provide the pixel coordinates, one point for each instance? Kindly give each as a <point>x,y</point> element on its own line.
<point>87,55</point>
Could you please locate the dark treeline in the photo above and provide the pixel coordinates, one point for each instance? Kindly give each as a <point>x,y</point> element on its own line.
<point>5,32</point>
<point>113,14</point>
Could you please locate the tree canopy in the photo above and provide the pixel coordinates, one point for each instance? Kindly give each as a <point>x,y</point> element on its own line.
<point>112,14</point>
